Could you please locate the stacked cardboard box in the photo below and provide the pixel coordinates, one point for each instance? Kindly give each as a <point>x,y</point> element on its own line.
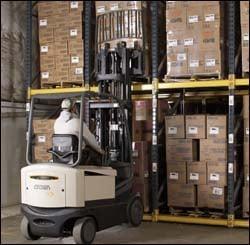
<point>142,118</point>
<point>244,10</point>
<point>43,131</point>
<point>196,160</point>
<point>141,163</point>
<point>246,156</point>
<point>195,36</point>
<point>61,42</point>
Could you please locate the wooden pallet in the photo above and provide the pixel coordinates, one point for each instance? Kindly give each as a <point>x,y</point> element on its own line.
<point>62,84</point>
<point>196,212</point>
<point>193,77</point>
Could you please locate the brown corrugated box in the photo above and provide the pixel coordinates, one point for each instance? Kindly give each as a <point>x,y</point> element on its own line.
<point>47,49</point>
<point>76,74</point>
<point>76,6</point>
<point>76,60</point>
<point>245,201</point>
<point>217,173</point>
<point>244,11</point>
<point>197,173</point>
<point>181,195</point>
<point>61,48</point>
<point>61,34</point>
<point>216,126</point>
<point>47,63</point>
<point>212,16</point>
<point>214,150</point>
<point>41,154</point>
<point>46,35</point>
<point>245,106</point>
<point>177,62</point>
<point>181,150</point>
<point>142,186</point>
<point>210,196</point>
<point>176,172</point>
<point>75,46</point>
<point>176,4</point>
<point>62,62</point>
<point>195,126</point>
<point>176,19</point>
<point>43,125</point>
<point>245,59</point>
<point>212,61</point>
<point>210,39</point>
<point>175,126</point>
<point>194,17</point>
<point>48,76</point>
<point>62,75</point>
<point>195,61</point>
<point>141,159</point>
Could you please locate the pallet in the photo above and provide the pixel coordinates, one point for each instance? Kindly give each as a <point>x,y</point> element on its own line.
<point>192,77</point>
<point>197,212</point>
<point>62,84</point>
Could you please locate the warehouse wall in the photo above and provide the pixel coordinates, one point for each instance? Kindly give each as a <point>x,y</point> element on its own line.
<point>13,38</point>
<point>13,145</point>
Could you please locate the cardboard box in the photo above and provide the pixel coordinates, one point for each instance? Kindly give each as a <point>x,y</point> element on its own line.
<point>141,159</point>
<point>47,76</point>
<point>75,33</point>
<point>76,6</point>
<point>43,126</point>
<point>214,150</point>
<point>212,62</point>
<point>47,49</point>
<point>44,139</point>
<point>76,74</point>
<point>194,17</point>
<point>62,75</point>
<point>195,126</point>
<point>181,150</point>
<point>244,11</point>
<point>62,62</point>
<point>177,63</point>
<point>76,60</point>
<point>41,155</point>
<point>176,19</point>
<point>217,173</point>
<point>176,172</point>
<point>47,63</point>
<point>61,48</point>
<point>181,195</point>
<point>216,126</point>
<point>45,9</point>
<point>143,188</point>
<point>197,173</point>
<point>75,20</point>
<point>176,4</point>
<point>75,46</point>
<point>210,39</point>
<point>245,59</point>
<point>210,196</point>
<point>245,201</point>
<point>195,61</point>
<point>175,127</point>
<point>245,106</point>
<point>61,34</point>
<point>46,35</point>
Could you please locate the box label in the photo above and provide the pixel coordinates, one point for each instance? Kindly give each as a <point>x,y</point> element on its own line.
<point>74,59</point>
<point>210,62</point>
<point>218,191</point>
<point>231,100</point>
<point>194,63</point>
<point>213,130</point>
<point>214,177</point>
<point>45,75</point>
<point>230,168</point>
<point>209,17</point>
<point>154,167</point>
<point>43,22</point>
<point>181,57</point>
<point>194,176</point>
<point>74,4</point>
<point>73,32</point>
<point>247,131</point>
<point>79,71</point>
<point>188,42</point>
<point>101,9</point>
<point>172,130</point>
<point>140,111</point>
<point>41,139</point>
<point>231,138</point>
<point>114,127</point>
<point>246,36</point>
<point>44,49</point>
<point>172,43</point>
<point>173,175</point>
<point>193,19</point>
<point>192,130</point>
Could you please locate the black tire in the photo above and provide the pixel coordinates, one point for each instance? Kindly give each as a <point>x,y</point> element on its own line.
<point>84,230</point>
<point>135,212</point>
<point>25,230</point>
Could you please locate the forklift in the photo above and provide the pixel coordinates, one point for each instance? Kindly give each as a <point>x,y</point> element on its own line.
<point>76,194</point>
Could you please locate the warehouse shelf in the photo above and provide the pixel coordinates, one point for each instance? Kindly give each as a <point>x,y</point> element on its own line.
<point>148,87</point>
<point>197,220</point>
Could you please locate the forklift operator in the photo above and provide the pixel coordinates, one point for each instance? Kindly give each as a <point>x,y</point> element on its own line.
<point>69,123</point>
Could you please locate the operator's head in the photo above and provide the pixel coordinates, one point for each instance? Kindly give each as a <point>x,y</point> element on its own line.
<point>67,104</point>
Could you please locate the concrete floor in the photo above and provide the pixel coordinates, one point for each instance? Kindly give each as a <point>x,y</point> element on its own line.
<point>161,233</point>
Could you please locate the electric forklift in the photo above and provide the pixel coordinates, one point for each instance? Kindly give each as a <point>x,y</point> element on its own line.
<point>74,194</point>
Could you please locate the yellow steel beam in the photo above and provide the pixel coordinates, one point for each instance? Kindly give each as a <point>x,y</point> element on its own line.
<point>198,220</point>
<point>62,90</point>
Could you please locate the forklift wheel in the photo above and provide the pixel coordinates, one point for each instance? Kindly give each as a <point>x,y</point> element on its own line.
<point>84,230</point>
<point>135,212</point>
<point>25,230</point>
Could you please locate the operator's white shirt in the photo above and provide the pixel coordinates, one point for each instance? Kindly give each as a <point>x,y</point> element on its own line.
<point>69,123</point>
